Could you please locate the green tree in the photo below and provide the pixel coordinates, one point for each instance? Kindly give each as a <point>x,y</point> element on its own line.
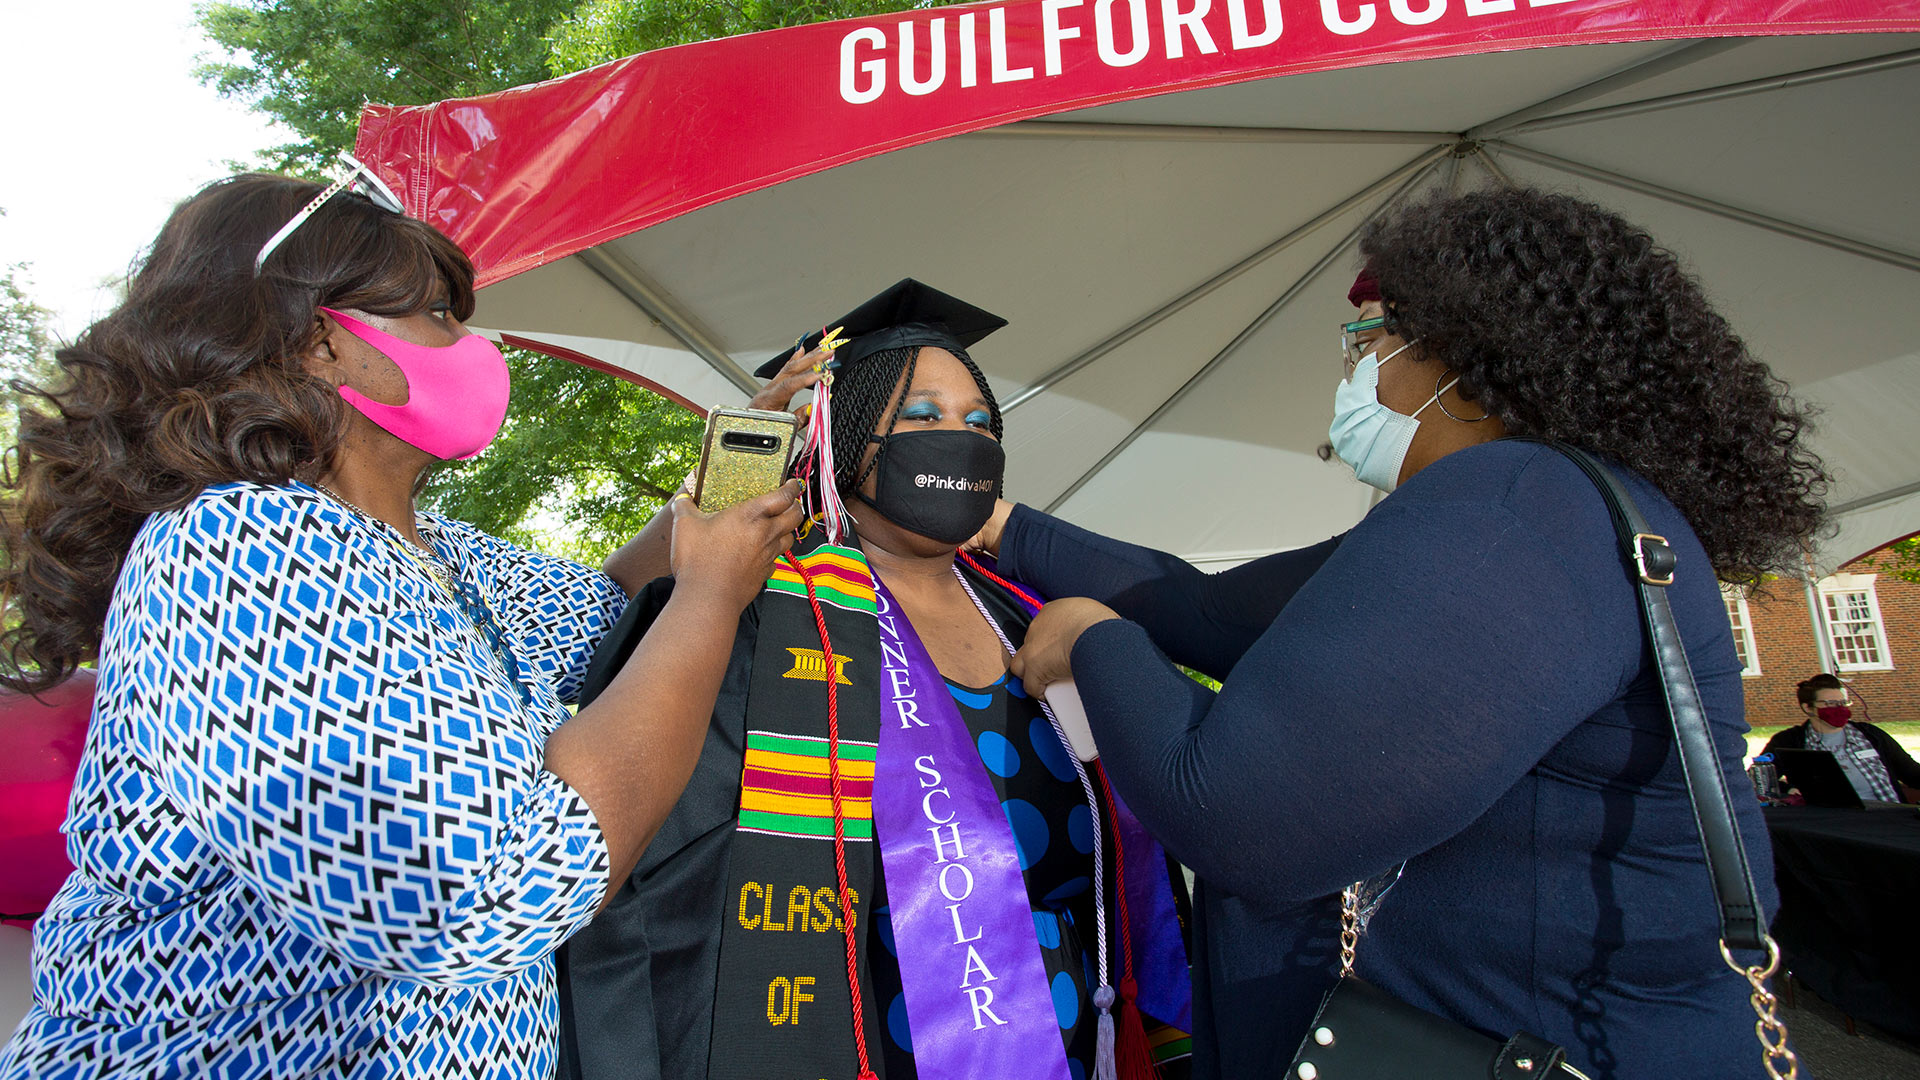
<point>601,30</point>
<point>585,458</point>
<point>592,454</point>
<point>311,64</point>
<point>1902,559</point>
<point>26,345</point>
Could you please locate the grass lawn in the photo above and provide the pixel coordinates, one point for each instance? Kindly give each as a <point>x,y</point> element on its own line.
<point>1907,732</point>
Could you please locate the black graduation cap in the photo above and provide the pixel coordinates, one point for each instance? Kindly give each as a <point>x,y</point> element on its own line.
<point>905,313</point>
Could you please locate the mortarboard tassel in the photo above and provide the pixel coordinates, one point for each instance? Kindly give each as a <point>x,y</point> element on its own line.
<point>823,499</point>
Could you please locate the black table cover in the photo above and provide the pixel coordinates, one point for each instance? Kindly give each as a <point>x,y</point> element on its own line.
<point>1849,920</point>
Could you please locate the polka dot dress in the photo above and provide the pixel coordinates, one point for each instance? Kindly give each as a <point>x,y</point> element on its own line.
<point>1053,833</point>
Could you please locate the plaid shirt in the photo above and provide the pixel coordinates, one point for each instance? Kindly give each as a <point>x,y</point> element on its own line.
<point>1858,759</point>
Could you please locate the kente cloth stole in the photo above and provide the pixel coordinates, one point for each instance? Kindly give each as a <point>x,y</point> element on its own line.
<point>976,990</point>
<point>781,1007</point>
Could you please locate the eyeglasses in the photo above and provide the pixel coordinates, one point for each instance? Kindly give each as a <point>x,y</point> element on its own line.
<point>1352,348</point>
<point>359,178</point>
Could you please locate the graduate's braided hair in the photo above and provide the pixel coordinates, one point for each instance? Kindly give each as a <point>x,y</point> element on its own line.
<point>865,400</point>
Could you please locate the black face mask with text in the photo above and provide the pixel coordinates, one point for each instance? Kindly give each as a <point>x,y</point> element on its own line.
<point>940,484</point>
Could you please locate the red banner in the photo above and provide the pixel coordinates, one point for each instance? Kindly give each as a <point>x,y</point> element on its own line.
<point>536,173</point>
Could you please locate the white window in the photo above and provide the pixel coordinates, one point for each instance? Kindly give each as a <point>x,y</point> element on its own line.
<point>1742,621</point>
<point>1853,623</point>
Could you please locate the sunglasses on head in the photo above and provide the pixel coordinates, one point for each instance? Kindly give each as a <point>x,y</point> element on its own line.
<point>358,178</point>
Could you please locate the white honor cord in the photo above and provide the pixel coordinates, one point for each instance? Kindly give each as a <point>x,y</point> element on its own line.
<point>1080,770</point>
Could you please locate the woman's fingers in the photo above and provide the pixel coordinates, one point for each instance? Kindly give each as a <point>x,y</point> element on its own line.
<point>784,512</point>
<point>733,550</point>
<point>801,371</point>
<point>775,502</point>
<point>988,538</point>
<point>1047,655</point>
<point>1044,658</point>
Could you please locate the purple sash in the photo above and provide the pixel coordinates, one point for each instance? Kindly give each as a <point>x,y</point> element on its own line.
<point>978,1003</point>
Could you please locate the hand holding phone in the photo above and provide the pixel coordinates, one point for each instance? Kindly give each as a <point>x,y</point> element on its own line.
<point>744,453</point>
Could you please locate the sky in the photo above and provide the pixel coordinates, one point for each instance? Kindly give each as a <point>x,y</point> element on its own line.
<point>107,131</point>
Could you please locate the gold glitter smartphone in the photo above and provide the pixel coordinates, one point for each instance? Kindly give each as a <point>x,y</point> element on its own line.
<point>744,454</point>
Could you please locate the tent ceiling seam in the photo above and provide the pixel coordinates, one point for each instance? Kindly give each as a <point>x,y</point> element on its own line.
<point>1807,233</point>
<point>1425,166</point>
<point>616,270</point>
<point>1660,63</point>
<point>1180,303</point>
<point>1121,130</point>
<point>1807,77</point>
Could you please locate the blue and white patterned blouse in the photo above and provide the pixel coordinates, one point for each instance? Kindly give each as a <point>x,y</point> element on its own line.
<point>312,831</point>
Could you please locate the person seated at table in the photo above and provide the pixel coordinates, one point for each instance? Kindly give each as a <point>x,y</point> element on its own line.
<point>1875,763</point>
<point>955,860</point>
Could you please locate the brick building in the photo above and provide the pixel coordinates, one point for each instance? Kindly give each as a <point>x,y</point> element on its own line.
<point>1872,620</point>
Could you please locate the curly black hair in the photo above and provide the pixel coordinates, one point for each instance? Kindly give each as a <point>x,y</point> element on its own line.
<point>195,379</point>
<point>873,389</point>
<point>1569,323</point>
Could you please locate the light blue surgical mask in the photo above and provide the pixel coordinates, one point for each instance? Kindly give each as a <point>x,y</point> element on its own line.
<point>1367,435</point>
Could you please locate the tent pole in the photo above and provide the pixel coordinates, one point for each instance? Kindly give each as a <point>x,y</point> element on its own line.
<point>1485,158</point>
<point>626,278</point>
<point>1658,64</point>
<point>1079,129</point>
<point>1178,303</point>
<point>1251,329</point>
<point>1822,637</point>
<point>1721,93</point>
<point>1786,228</point>
<point>1869,501</point>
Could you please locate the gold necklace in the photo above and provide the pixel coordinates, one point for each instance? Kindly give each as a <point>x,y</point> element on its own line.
<point>430,563</point>
<point>441,575</point>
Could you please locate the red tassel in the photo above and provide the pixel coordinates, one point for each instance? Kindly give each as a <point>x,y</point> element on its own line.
<point>1133,1054</point>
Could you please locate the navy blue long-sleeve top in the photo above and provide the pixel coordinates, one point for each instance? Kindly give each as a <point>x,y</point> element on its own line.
<point>1462,682</point>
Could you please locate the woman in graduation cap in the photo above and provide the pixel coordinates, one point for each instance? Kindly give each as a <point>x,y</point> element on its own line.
<point>887,863</point>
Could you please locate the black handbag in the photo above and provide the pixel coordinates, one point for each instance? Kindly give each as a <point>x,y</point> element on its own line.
<point>1363,1033</point>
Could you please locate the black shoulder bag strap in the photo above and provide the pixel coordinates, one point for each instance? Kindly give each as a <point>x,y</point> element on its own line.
<point>1650,561</point>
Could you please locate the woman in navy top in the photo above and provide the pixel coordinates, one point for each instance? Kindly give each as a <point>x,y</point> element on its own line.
<point>1461,682</point>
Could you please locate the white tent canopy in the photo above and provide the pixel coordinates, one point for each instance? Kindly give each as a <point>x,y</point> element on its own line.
<point>1174,266</point>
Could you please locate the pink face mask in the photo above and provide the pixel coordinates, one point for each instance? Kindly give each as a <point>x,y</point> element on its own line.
<point>456,394</point>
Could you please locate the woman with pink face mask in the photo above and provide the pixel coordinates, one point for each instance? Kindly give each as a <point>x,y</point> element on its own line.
<point>335,814</point>
<point>1877,766</point>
